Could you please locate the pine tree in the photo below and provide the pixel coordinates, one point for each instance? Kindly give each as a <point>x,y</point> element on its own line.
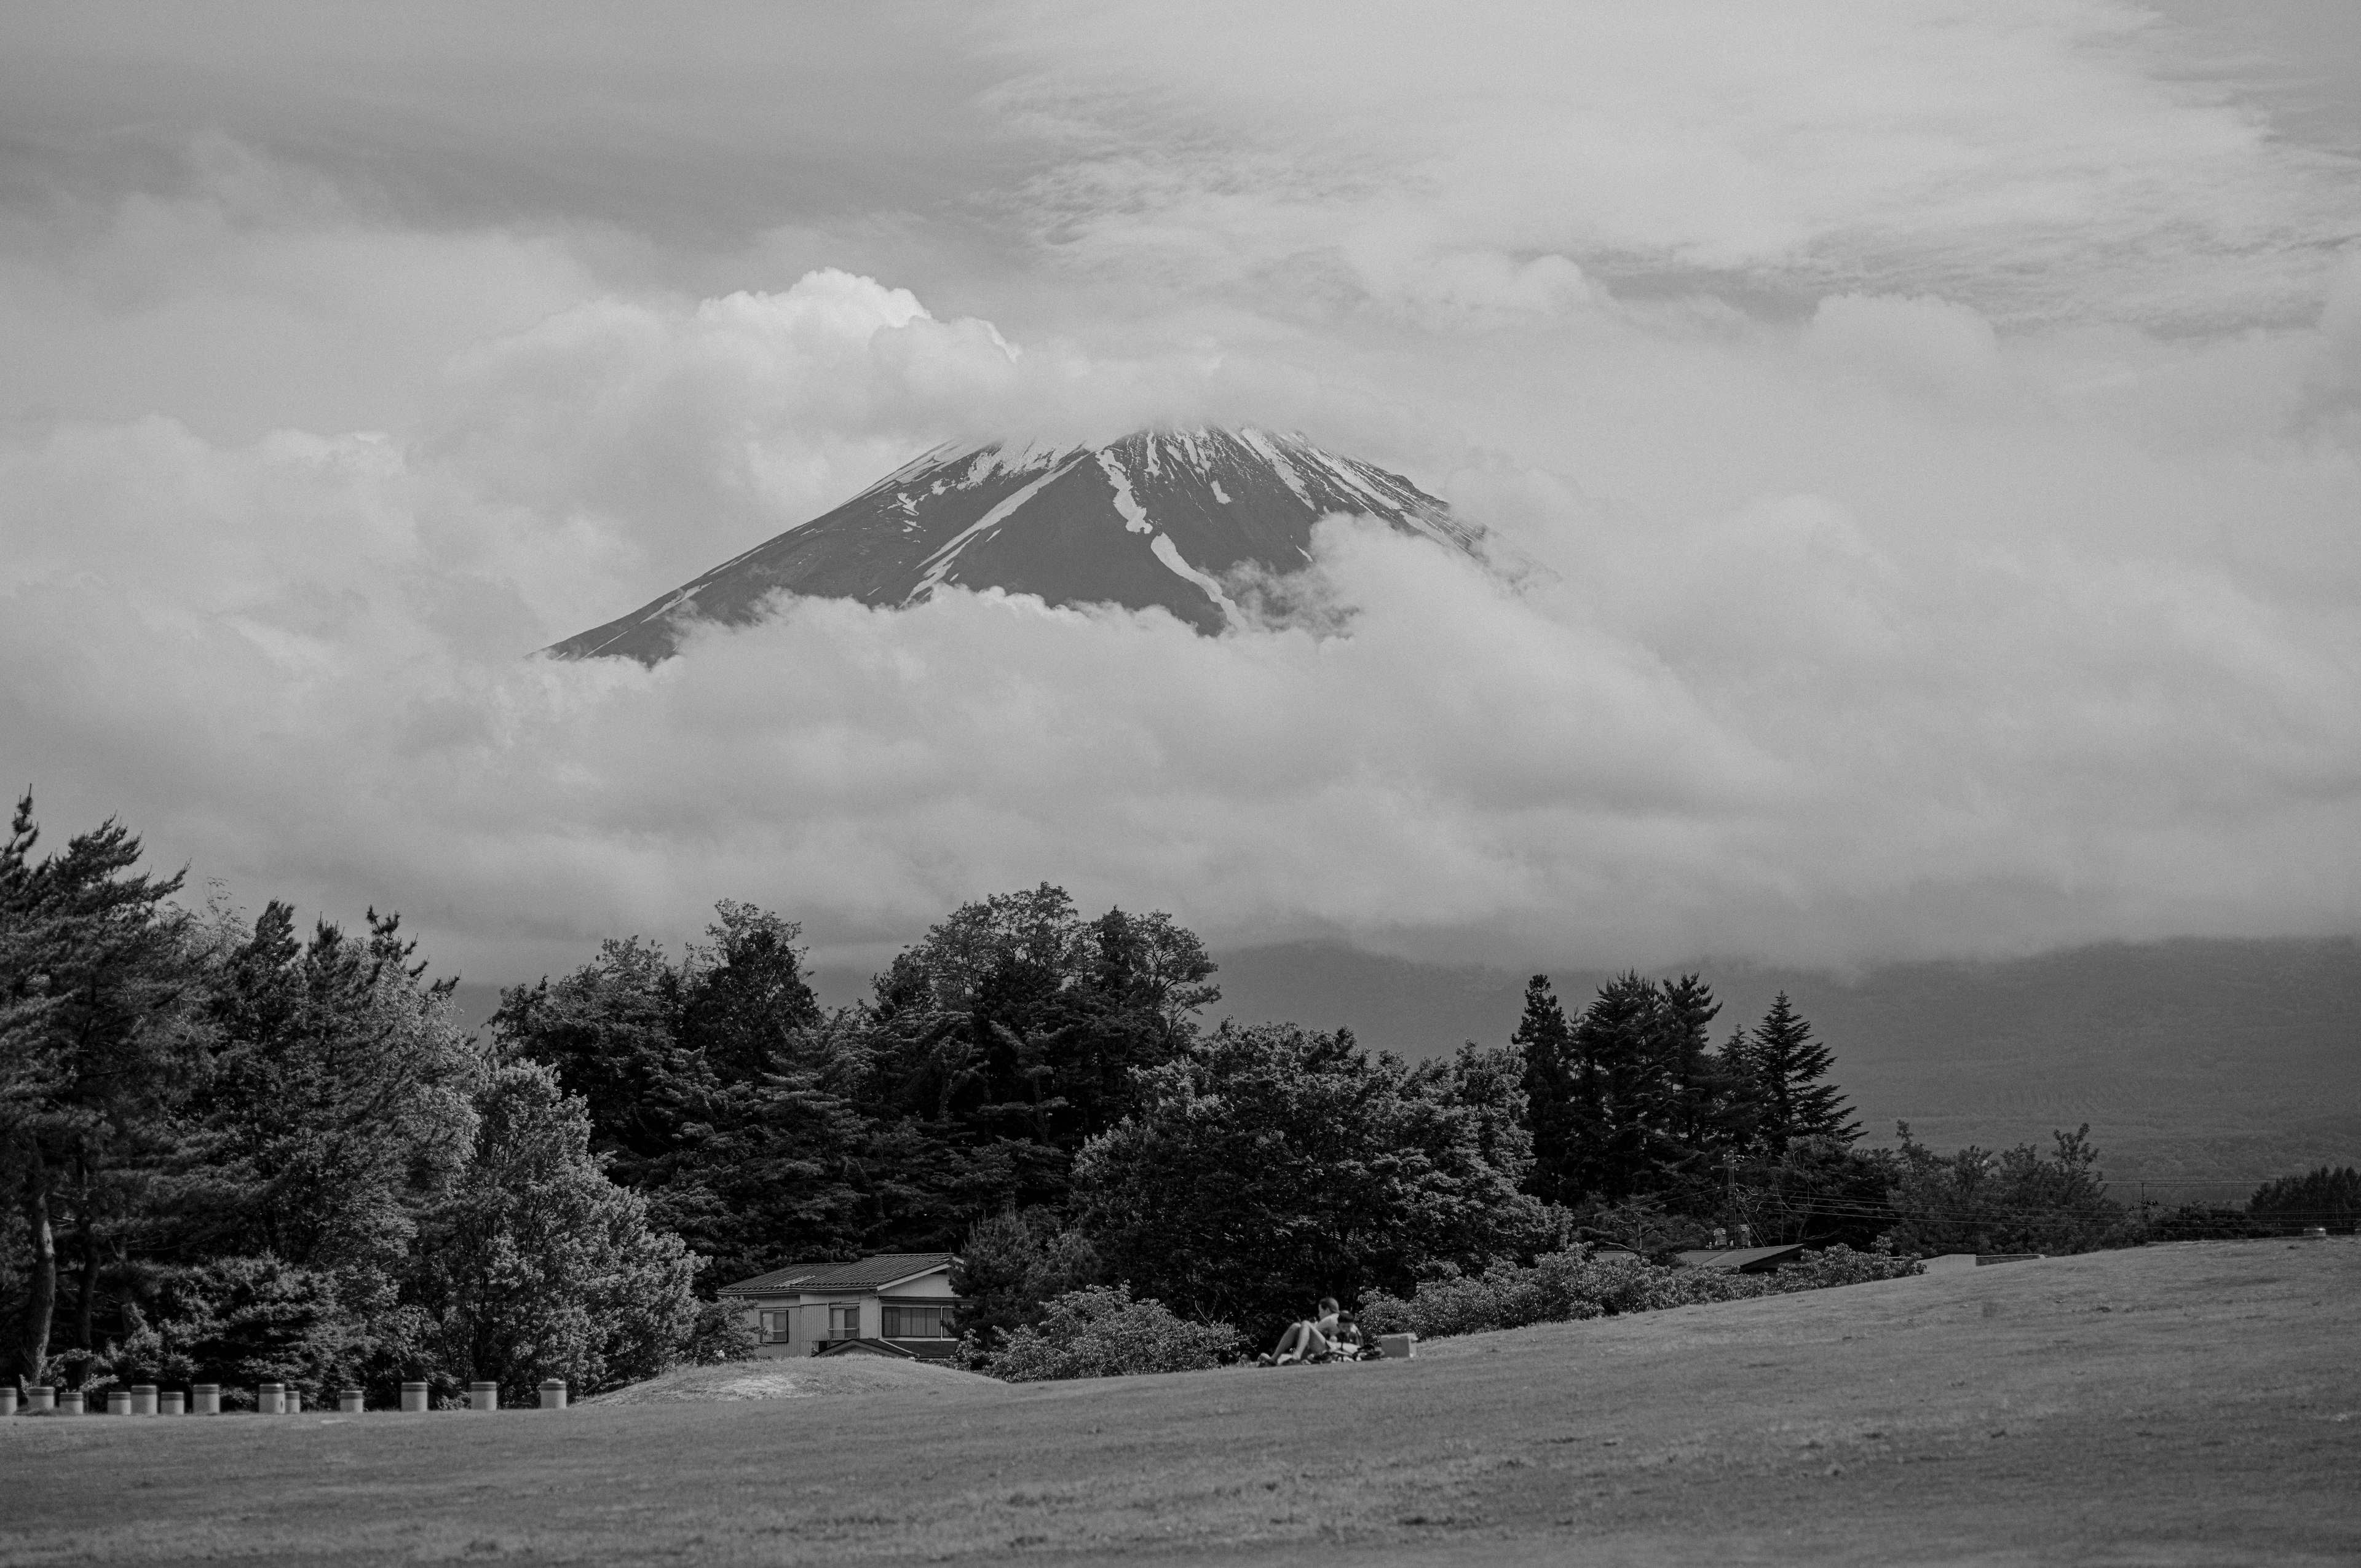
<point>1784,1067</point>
<point>1626,1091</point>
<point>98,1042</point>
<point>1546,1043</point>
<point>1705,1112</point>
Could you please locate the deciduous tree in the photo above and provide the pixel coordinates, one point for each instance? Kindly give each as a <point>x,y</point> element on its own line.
<point>1271,1165</point>
<point>539,1266</point>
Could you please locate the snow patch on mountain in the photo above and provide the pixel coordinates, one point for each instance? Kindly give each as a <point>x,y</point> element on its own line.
<point>1162,547</point>
<point>1134,516</point>
<point>1278,460</point>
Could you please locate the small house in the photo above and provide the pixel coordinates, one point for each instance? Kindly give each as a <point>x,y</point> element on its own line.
<point>894,1303</point>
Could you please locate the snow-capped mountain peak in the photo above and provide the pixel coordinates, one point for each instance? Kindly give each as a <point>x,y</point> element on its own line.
<point>1158,517</point>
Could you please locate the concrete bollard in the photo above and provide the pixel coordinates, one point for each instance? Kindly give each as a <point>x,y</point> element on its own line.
<point>68,1402</point>
<point>7,1398</point>
<point>119,1402</point>
<point>414,1397</point>
<point>205,1398</point>
<point>270,1399</point>
<point>143,1398</point>
<point>552,1393</point>
<point>1399,1347</point>
<point>348,1401</point>
<point>483,1395</point>
<point>40,1397</point>
<point>168,1403</point>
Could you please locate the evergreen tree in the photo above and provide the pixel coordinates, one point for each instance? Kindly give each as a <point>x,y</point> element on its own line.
<point>100,1040</point>
<point>1784,1067</point>
<point>714,1089</point>
<point>1626,1092</point>
<point>744,999</point>
<point>335,1107</point>
<point>1012,1266</point>
<point>1708,1112</point>
<point>1545,1043</point>
<point>1629,1100</point>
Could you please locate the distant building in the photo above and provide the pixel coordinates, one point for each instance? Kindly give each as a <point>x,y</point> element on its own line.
<point>894,1303</point>
<point>1741,1259</point>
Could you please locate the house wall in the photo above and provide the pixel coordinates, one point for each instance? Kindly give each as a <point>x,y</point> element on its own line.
<point>808,1325</point>
<point>752,1316</point>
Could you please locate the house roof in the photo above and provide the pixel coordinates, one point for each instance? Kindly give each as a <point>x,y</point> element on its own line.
<point>872,1273</point>
<point>1741,1259</point>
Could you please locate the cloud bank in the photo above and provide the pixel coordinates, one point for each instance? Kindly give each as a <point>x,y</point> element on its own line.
<point>1929,442</point>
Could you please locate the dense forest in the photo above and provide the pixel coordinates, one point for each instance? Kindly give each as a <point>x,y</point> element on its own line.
<point>236,1151</point>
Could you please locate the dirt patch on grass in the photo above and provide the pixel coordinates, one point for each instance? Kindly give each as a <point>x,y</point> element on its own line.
<point>804,1377</point>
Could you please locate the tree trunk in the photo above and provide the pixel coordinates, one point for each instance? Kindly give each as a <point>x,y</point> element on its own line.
<point>32,1348</point>
<point>88,1292</point>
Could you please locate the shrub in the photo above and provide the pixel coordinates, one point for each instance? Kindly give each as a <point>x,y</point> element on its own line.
<point>719,1333</point>
<point>1101,1332</point>
<point>2206,1223</point>
<point>238,1322</point>
<point>1581,1283</point>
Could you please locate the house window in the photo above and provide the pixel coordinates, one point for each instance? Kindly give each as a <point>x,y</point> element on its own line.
<point>844,1323</point>
<point>775,1325</point>
<point>917,1323</point>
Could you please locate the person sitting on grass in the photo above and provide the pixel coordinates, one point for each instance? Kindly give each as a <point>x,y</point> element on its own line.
<point>1346,1342</point>
<point>1307,1338</point>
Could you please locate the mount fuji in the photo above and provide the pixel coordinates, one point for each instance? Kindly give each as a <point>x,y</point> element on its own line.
<point>1159,517</point>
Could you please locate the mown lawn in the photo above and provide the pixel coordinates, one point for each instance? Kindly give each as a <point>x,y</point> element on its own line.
<point>2186,1404</point>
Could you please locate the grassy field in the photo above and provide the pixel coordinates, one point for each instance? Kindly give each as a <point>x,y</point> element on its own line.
<point>2175,1404</point>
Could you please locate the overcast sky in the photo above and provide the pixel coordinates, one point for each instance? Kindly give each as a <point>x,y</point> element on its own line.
<point>1926,440</point>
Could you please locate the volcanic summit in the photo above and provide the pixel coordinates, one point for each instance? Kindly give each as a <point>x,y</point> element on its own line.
<point>1157,518</point>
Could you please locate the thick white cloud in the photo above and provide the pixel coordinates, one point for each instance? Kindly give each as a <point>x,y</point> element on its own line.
<point>1787,729</point>
<point>1896,573</point>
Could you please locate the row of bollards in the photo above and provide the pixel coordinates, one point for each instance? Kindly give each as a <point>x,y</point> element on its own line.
<point>269,1399</point>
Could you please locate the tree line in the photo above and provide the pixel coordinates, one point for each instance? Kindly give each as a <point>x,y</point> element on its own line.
<point>237,1153</point>
<point>244,1153</point>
